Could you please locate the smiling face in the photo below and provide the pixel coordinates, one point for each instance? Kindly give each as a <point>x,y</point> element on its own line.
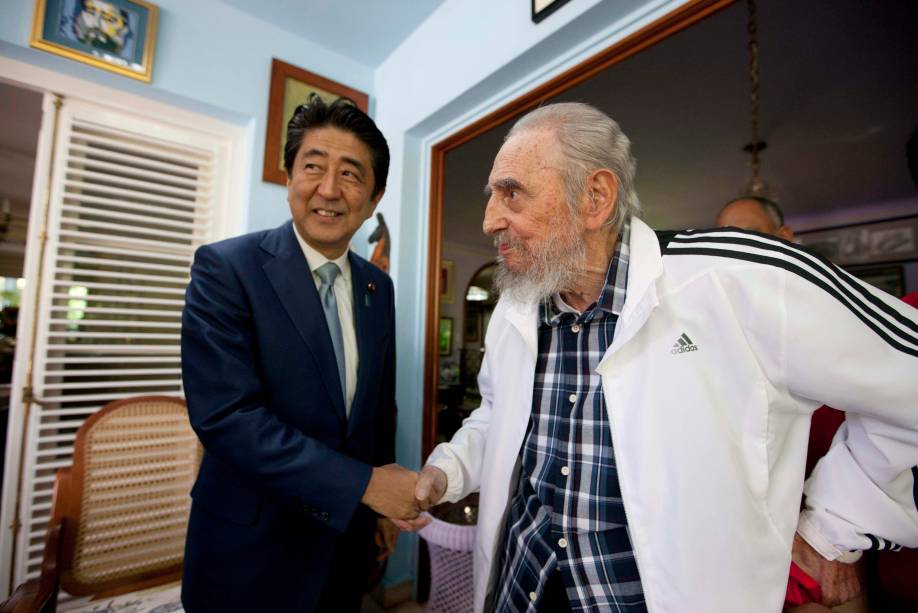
<point>329,189</point>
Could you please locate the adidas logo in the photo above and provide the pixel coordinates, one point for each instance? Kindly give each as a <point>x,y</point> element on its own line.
<point>683,344</point>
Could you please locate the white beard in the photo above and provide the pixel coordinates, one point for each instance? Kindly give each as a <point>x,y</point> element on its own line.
<point>560,261</point>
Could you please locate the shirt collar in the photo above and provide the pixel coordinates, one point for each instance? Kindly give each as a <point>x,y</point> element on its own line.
<point>611,298</point>
<point>315,259</point>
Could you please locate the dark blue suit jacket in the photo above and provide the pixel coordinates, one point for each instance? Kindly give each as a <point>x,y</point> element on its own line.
<point>284,469</point>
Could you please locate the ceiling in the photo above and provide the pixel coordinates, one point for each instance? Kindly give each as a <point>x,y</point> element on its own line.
<point>366,31</point>
<point>838,100</point>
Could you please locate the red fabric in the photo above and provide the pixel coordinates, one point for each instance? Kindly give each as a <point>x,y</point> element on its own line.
<point>801,588</point>
<point>826,421</point>
<point>897,571</point>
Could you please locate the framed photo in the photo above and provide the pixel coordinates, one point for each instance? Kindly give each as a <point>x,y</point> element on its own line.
<point>115,35</point>
<point>290,87</point>
<point>472,326</point>
<point>890,240</point>
<point>445,335</point>
<point>890,279</point>
<point>447,269</point>
<point>543,8</point>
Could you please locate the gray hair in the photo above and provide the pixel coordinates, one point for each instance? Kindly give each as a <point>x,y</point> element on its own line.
<point>589,140</point>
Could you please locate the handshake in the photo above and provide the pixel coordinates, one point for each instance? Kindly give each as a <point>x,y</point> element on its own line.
<point>401,494</point>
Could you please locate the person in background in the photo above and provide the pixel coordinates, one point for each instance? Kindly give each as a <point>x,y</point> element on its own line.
<point>288,365</point>
<point>754,213</point>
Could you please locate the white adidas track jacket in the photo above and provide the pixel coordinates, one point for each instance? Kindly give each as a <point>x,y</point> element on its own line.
<point>710,443</point>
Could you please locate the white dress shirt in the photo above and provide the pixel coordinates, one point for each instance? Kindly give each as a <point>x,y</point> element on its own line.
<point>343,289</point>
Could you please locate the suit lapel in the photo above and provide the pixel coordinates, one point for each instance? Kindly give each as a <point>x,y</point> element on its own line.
<point>289,274</point>
<point>368,309</point>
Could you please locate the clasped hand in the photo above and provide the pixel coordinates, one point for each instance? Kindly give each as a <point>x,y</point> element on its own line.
<point>401,494</point>
<point>839,582</point>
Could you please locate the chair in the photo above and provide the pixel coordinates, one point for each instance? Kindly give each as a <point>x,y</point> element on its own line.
<point>450,538</point>
<point>119,514</point>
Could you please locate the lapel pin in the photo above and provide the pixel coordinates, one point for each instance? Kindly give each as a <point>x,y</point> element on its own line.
<point>371,288</point>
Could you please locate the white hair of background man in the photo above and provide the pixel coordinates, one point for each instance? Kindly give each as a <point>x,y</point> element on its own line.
<point>589,140</point>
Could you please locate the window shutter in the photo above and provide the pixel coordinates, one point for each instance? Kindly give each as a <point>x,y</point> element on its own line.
<point>131,199</point>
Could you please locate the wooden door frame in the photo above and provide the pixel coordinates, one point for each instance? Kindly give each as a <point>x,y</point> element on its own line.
<point>661,29</point>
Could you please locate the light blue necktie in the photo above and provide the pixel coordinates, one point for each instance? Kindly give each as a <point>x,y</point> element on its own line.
<point>327,273</point>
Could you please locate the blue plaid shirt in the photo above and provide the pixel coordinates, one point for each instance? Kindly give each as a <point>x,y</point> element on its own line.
<point>567,513</point>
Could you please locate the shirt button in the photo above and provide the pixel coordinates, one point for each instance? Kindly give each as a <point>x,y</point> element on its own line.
<point>575,328</point>
<point>572,398</point>
<point>562,542</point>
<point>533,596</point>
<point>565,471</point>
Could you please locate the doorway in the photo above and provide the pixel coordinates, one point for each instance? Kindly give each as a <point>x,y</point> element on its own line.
<point>20,122</point>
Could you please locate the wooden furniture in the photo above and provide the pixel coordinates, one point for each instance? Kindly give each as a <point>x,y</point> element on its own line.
<point>120,513</point>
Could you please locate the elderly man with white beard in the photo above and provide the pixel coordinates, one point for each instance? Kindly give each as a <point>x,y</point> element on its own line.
<point>646,398</point>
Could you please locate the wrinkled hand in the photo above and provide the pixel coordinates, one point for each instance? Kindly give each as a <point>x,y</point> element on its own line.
<point>386,537</point>
<point>840,582</point>
<point>430,487</point>
<point>391,492</point>
<point>429,490</point>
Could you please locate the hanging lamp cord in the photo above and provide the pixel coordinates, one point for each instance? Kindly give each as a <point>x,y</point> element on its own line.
<point>753,44</point>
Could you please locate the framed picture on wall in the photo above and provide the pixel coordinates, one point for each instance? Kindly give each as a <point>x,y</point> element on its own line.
<point>290,86</point>
<point>543,8</point>
<point>446,335</point>
<point>447,269</point>
<point>890,279</point>
<point>115,35</point>
<point>890,240</point>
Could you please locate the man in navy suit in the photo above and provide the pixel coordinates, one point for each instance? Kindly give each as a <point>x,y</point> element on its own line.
<point>288,363</point>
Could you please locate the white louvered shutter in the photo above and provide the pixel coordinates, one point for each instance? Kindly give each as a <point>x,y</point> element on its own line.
<point>131,198</point>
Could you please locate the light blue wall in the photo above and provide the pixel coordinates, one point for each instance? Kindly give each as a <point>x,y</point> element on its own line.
<point>210,58</point>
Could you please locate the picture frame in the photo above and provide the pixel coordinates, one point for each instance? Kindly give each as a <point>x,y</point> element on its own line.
<point>877,242</point>
<point>890,279</point>
<point>447,272</point>
<point>543,8</point>
<point>290,85</point>
<point>445,336</point>
<point>114,35</point>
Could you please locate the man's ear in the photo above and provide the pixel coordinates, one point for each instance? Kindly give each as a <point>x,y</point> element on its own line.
<point>786,233</point>
<point>602,189</point>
